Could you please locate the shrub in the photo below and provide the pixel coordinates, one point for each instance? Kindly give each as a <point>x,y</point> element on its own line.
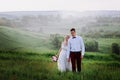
<point>115,48</point>
<point>91,45</point>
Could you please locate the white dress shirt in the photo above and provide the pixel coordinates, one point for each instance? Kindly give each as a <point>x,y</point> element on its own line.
<point>75,44</point>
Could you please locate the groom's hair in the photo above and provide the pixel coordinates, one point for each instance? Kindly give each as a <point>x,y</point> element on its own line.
<point>72,29</point>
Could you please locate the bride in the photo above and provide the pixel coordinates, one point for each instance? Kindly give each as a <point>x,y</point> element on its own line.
<point>63,64</point>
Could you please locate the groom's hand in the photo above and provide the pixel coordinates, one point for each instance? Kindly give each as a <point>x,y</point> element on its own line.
<point>81,57</point>
<point>68,59</point>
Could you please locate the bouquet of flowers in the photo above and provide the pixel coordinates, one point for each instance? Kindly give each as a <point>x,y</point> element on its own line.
<point>54,58</point>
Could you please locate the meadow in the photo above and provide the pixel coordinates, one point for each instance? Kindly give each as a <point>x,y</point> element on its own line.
<point>26,55</point>
<point>38,66</point>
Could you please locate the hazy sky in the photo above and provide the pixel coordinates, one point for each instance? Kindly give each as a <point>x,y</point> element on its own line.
<point>69,5</point>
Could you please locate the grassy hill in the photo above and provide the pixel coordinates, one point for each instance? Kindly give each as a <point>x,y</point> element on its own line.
<point>104,44</point>
<point>17,39</point>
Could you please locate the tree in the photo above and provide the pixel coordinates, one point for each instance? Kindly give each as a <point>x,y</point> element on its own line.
<point>56,40</point>
<point>115,48</point>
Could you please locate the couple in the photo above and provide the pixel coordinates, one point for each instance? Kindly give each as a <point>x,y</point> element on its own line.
<point>71,53</point>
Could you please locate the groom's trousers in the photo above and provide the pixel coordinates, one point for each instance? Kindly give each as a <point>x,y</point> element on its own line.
<point>76,60</point>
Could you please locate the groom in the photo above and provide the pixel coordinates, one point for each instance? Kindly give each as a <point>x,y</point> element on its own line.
<point>75,50</point>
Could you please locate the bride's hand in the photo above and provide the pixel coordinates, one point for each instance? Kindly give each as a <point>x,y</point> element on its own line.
<point>57,55</point>
<point>68,59</point>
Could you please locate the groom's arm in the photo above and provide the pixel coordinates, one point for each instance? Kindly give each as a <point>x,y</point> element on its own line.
<point>83,47</point>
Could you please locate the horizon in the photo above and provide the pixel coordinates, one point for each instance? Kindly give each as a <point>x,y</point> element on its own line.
<point>58,11</point>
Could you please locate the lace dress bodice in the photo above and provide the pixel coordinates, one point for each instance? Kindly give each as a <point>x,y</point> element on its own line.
<point>64,47</point>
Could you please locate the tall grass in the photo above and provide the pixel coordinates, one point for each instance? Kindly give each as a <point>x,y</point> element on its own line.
<point>38,66</point>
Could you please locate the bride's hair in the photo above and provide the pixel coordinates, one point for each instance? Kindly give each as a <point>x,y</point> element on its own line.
<point>66,39</point>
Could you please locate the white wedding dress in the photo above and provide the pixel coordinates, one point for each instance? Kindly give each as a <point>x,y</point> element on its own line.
<point>63,64</point>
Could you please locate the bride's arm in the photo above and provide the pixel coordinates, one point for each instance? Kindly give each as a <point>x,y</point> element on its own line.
<point>59,52</point>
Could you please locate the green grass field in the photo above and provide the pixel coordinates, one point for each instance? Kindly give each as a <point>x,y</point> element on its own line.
<point>38,66</point>
<point>26,55</point>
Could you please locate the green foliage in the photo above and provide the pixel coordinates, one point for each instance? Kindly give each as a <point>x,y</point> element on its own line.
<point>115,48</point>
<point>91,45</point>
<point>105,44</point>
<point>56,40</point>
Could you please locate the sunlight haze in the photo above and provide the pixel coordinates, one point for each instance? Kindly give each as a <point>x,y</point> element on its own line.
<point>52,5</point>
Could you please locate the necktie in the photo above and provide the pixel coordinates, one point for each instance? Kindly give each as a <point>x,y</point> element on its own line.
<point>74,37</point>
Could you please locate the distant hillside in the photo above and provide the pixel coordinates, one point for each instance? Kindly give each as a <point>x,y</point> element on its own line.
<point>15,39</point>
<point>83,13</point>
<point>50,22</point>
